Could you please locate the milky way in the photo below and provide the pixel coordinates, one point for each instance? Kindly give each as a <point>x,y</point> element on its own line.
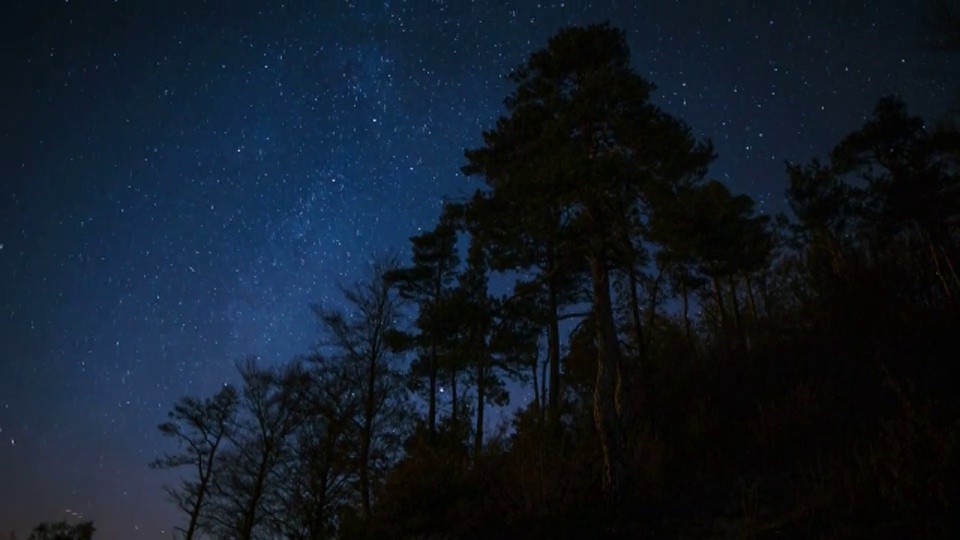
<point>179,183</point>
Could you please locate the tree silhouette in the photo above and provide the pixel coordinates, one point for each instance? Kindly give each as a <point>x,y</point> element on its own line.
<point>888,199</point>
<point>515,324</point>
<point>474,310</point>
<point>359,338</point>
<point>912,186</point>
<point>200,429</point>
<point>63,531</point>
<point>531,241</point>
<point>271,410</point>
<point>794,370</point>
<point>320,480</point>
<point>597,152</point>
<point>676,226</point>
<point>730,241</point>
<point>425,282</point>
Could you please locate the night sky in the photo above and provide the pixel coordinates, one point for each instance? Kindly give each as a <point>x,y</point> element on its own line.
<point>180,180</point>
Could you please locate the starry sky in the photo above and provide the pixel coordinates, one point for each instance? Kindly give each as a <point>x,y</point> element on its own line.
<point>180,180</point>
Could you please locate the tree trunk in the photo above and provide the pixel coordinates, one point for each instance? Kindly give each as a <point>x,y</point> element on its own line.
<point>369,409</point>
<point>686,310</point>
<point>543,379</point>
<point>321,509</point>
<point>953,271</point>
<point>836,261</point>
<point>537,401</point>
<point>917,269</point>
<point>765,297</point>
<point>364,474</point>
<point>652,311</point>
<point>718,298</point>
<point>434,360</point>
<point>635,312</point>
<point>432,400</point>
<point>553,348</point>
<point>195,512</point>
<point>735,306</point>
<point>248,519</point>
<point>204,478</point>
<point>605,398</point>
<point>454,415</point>
<point>318,485</point>
<point>481,388</point>
<point>939,271</point>
<point>751,304</point>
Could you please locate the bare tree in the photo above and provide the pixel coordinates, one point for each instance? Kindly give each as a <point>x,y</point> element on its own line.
<point>358,337</point>
<point>200,429</point>
<point>261,441</point>
<point>321,476</point>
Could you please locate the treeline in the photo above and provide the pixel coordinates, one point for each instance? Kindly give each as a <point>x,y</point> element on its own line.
<point>727,373</point>
<point>61,530</point>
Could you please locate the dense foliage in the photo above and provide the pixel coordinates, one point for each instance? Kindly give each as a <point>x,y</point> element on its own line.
<point>727,374</point>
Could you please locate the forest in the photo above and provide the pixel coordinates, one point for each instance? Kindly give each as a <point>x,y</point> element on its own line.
<point>696,368</point>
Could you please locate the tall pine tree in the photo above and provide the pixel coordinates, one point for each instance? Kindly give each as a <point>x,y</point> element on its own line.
<point>426,282</point>
<point>573,160</point>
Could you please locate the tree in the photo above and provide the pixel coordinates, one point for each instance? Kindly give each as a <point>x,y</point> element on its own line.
<point>426,282</point>
<point>63,531</point>
<point>674,228</point>
<point>631,268</point>
<point>200,428</point>
<point>583,141</point>
<point>530,242</point>
<point>321,478</point>
<point>473,309</point>
<point>261,444</point>
<point>514,342</point>
<point>912,184</point>
<point>730,241</point>
<point>892,182</point>
<point>359,339</point>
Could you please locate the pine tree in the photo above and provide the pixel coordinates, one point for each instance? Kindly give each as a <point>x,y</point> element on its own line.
<point>426,282</point>
<point>580,149</point>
